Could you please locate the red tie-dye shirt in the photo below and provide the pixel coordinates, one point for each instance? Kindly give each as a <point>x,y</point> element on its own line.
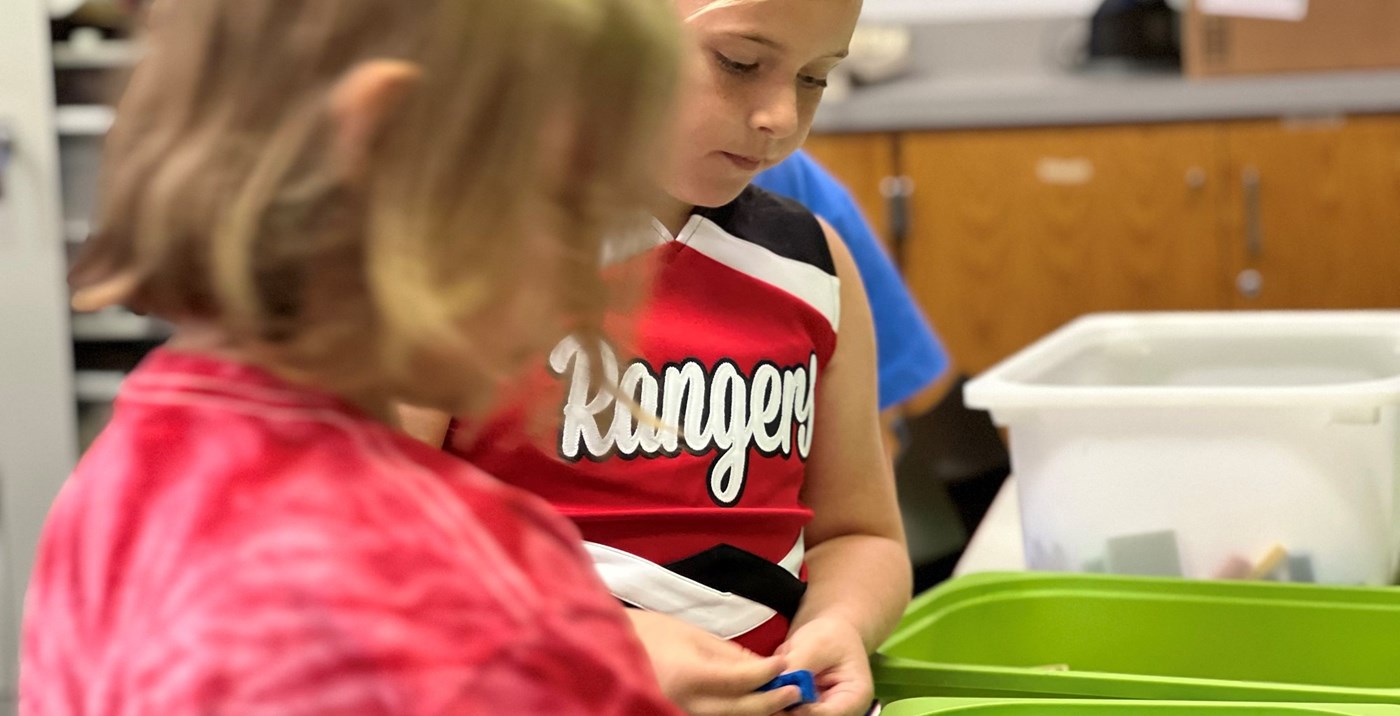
<point>236,545</point>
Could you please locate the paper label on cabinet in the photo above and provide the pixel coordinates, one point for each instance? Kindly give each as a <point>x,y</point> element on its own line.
<point>1293,10</point>
<point>1061,171</point>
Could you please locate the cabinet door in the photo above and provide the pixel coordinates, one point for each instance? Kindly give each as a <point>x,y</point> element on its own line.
<point>1313,217</point>
<point>1015,232</point>
<point>861,162</point>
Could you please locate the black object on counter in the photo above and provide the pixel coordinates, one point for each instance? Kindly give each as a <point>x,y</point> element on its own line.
<point>1146,32</point>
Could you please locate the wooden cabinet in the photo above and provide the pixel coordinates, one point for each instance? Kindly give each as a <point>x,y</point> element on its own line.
<point>1313,213</point>
<point>863,162</point>
<point>1013,232</point>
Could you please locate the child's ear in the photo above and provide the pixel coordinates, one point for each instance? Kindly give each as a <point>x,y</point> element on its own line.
<point>362,102</point>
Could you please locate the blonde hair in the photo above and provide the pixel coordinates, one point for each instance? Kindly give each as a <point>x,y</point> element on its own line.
<point>466,246</point>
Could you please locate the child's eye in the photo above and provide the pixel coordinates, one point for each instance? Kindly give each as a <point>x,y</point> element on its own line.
<point>738,68</point>
<point>813,82</point>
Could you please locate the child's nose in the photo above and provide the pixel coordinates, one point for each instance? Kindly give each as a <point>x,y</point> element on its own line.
<point>777,114</point>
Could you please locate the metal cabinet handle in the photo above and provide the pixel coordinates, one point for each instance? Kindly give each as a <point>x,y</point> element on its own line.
<point>1253,227</point>
<point>1250,283</point>
<point>898,191</point>
<point>7,148</point>
<point>1195,178</point>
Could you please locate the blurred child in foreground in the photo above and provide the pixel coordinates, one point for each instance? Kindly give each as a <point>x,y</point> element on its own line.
<point>341,204</point>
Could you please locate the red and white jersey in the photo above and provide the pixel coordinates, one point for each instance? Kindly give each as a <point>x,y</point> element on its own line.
<point>699,517</point>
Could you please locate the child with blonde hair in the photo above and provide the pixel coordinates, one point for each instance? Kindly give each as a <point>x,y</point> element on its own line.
<point>749,513</point>
<point>342,204</point>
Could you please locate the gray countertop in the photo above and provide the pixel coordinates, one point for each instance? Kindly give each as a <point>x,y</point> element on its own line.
<point>932,102</point>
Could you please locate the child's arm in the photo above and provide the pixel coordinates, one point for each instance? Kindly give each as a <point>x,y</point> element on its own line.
<point>857,563</point>
<point>424,424</point>
<point>706,675</point>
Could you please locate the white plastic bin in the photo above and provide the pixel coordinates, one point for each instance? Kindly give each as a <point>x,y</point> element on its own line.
<point>1255,445</point>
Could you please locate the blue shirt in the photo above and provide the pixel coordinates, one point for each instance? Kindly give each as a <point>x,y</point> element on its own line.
<point>909,352</point>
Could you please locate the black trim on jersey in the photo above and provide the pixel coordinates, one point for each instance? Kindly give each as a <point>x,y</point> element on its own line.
<point>776,223</point>
<point>730,569</point>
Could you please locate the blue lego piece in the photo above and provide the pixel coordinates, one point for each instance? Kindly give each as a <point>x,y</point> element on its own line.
<point>802,679</point>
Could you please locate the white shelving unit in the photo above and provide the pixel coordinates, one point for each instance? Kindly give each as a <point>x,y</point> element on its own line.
<point>99,55</point>
<point>48,163</point>
<point>97,386</point>
<point>117,325</point>
<point>83,120</point>
<point>81,129</point>
<point>38,441</point>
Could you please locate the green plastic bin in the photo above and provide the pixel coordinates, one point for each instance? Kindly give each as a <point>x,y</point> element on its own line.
<point>1003,636</point>
<point>1068,707</point>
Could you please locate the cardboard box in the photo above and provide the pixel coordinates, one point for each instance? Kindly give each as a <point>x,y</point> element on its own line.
<point>1333,35</point>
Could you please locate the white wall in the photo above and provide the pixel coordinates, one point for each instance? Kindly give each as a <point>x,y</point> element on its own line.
<point>37,422</point>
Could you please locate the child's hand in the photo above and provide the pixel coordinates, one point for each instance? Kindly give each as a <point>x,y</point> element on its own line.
<point>706,675</point>
<point>833,651</point>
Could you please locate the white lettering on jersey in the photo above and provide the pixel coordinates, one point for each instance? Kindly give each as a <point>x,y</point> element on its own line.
<point>717,410</point>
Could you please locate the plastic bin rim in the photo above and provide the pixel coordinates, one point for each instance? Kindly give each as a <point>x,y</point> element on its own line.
<point>972,706</point>
<point>972,585</point>
<point>894,671</point>
<point>993,390</point>
<point>1070,684</point>
<point>976,587</point>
